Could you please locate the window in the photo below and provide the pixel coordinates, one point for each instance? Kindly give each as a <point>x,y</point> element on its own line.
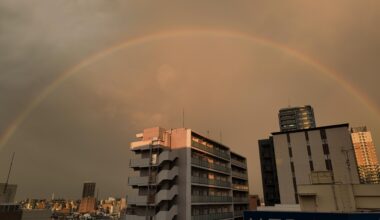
<point>326,149</point>
<point>328,164</point>
<point>323,134</point>
<point>292,167</point>
<point>308,150</point>
<point>290,152</point>
<point>311,165</point>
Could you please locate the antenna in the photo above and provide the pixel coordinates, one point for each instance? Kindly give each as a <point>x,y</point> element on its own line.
<point>220,136</point>
<point>208,133</point>
<point>289,102</point>
<point>9,173</point>
<point>183,117</point>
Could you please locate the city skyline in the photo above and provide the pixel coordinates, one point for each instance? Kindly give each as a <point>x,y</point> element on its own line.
<point>231,68</point>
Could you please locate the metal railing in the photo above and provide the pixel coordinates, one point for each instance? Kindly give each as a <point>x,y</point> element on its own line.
<point>215,151</point>
<point>206,181</point>
<point>240,175</point>
<point>240,199</point>
<point>210,199</point>
<point>238,163</point>
<point>204,163</point>
<point>240,187</point>
<point>212,216</point>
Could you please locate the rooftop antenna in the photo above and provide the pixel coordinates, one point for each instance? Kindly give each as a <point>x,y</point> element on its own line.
<point>9,173</point>
<point>183,117</point>
<point>208,133</point>
<point>289,102</point>
<point>220,136</point>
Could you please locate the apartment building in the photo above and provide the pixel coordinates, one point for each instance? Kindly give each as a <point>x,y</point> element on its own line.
<point>296,154</point>
<point>295,118</point>
<point>180,174</point>
<point>365,151</point>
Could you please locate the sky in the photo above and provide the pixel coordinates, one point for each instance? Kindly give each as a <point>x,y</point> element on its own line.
<point>231,65</point>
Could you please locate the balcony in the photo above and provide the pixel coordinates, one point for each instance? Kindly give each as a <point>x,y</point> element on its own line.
<point>144,162</point>
<point>165,215</point>
<point>205,164</point>
<point>211,199</point>
<point>240,200</point>
<point>167,194</point>
<point>240,187</point>
<point>154,179</point>
<point>138,180</point>
<point>238,213</point>
<point>213,216</point>
<point>214,151</point>
<point>239,163</point>
<point>239,175</point>
<point>206,181</point>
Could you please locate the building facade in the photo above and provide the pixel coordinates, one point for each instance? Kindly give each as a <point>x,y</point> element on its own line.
<point>88,189</point>
<point>181,174</point>
<point>296,118</point>
<point>365,152</point>
<point>298,153</point>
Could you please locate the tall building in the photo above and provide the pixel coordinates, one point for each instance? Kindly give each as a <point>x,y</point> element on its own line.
<point>295,118</point>
<point>298,153</point>
<point>88,201</point>
<point>365,151</point>
<point>181,174</point>
<point>269,172</point>
<point>88,189</point>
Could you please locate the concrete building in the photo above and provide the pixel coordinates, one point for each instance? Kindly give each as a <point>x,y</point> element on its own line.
<point>295,118</point>
<point>181,174</point>
<point>365,151</point>
<point>298,153</point>
<point>325,195</point>
<point>7,193</point>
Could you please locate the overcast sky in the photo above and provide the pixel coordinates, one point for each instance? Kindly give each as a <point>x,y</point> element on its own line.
<point>233,85</point>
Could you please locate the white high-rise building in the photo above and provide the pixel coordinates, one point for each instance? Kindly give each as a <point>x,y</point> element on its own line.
<point>181,174</point>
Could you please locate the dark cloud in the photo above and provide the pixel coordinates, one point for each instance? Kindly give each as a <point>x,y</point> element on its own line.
<point>83,129</point>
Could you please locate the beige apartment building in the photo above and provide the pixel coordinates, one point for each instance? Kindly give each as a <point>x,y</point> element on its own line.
<point>180,174</point>
<point>365,151</point>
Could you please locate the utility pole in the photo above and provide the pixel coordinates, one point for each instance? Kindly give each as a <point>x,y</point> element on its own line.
<point>9,173</point>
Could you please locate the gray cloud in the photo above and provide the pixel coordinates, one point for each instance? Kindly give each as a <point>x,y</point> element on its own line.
<point>83,129</point>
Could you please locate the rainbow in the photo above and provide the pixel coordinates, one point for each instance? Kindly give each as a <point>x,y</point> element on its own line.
<point>322,69</point>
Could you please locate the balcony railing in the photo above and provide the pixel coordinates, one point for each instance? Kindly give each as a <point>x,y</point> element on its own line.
<point>214,151</point>
<point>210,199</point>
<point>206,181</point>
<point>204,163</point>
<point>238,213</point>
<point>240,199</point>
<point>240,187</point>
<point>238,163</point>
<point>240,175</point>
<point>212,216</point>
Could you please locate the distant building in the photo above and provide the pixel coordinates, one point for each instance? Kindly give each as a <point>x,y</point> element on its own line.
<point>87,205</point>
<point>254,202</point>
<point>185,175</point>
<point>298,153</point>
<point>7,193</point>
<point>88,202</point>
<point>88,189</point>
<point>296,118</point>
<point>365,151</point>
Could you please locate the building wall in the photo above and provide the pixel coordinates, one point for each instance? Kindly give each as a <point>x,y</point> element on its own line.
<point>339,148</point>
